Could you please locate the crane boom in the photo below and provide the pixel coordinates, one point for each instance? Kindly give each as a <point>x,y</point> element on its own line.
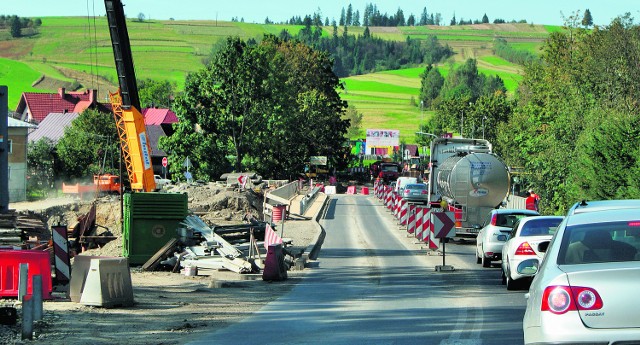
<point>136,149</point>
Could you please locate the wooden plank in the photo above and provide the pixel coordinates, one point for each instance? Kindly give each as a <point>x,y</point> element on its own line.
<point>153,262</point>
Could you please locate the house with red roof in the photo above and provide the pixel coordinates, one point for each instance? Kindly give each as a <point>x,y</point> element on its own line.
<point>34,107</point>
<point>162,117</point>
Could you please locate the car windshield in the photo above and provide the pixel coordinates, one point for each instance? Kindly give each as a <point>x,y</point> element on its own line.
<point>419,186</point>
<point>600,242</point>
<point>391,168</point>
<point>509,220</point>
<point>539,227</point>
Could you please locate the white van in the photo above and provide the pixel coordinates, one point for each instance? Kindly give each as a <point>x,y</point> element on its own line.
<point>403,181</point>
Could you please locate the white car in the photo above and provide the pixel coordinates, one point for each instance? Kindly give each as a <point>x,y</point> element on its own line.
<point>585,290</point>
<point>161,182</point>
<point>498,222</point>
<point>527,240</point>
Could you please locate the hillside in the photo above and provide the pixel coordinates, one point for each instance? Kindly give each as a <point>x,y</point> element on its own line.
<point>75,52</point>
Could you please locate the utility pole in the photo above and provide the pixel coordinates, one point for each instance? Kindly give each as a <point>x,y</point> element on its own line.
<point>4,155</point>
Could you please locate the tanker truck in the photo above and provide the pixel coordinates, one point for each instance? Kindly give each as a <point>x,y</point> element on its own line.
<point>470,178</point>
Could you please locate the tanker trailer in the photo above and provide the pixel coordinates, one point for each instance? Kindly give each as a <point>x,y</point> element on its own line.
<point>465,173</point>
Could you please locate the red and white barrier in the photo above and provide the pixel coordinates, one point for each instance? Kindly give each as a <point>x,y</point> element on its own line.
<point>61,253</point>
<point>388,197</point>
<point>403,211</point>
<point>419,219</point>
<point>411,219</point>
<point>425,234</point>
<point>351,190</point>
<point>394,210</point>
<point>364,191</point>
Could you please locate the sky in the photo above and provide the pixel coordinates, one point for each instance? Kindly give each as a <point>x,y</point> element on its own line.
<point>550,12</point>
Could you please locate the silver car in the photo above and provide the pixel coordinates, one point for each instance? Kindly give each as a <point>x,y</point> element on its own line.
<point>415,192</point>
<point>498,222</point>
<point>584,292</point>
<point>528,240</point>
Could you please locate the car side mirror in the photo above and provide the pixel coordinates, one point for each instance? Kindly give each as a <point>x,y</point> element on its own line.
<point>543,246</point>
<point>502,238</point>
<point>528,267</point>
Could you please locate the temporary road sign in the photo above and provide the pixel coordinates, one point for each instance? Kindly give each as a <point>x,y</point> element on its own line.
<point>443,224</point>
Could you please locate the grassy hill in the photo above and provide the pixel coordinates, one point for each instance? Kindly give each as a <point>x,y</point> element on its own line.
<point>76,52</point>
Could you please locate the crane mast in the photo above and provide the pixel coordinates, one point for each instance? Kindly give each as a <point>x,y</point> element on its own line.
<point>125,103</point>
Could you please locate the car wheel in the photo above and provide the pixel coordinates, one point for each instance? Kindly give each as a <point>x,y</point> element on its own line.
<point>478,260</point>
<point>485,261</point>
<point>504,277</point>
<point>511,284</point>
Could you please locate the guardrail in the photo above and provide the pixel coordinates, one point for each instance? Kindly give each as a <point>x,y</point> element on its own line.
<point>308,199</point>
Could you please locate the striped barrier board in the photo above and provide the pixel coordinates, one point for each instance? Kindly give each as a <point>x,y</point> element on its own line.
<point>411,220</point>
<point>61,253</point>
<point>419,219</point>
<point>395,205</point>
<point>403,211</point>
<point>426,226</point>
<point>387,197</point>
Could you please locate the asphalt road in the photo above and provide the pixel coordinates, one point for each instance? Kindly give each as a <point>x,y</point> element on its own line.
<point>375,285</point>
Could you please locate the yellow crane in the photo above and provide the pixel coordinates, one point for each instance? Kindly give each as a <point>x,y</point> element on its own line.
<point>125,103</point>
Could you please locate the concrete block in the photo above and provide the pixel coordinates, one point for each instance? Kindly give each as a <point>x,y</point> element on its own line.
<point>107,282</point>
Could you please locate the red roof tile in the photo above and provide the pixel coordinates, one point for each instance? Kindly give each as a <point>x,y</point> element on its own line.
<point>157,116</point>
<point>41,104</point>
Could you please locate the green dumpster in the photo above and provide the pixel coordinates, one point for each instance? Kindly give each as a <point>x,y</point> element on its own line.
<point>150,221</point>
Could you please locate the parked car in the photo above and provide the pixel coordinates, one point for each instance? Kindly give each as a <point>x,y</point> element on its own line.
<point>498,222</point>
<point>161,182</point>
<point>528,237</point>
<point>585,289</point>
<point>415,192</point>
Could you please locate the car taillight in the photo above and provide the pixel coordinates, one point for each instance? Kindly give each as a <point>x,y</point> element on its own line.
<point>424,191</point>
<point>406,191</point>
<point>561,299</point>
<point>525,249</point>
<point>494,219</point>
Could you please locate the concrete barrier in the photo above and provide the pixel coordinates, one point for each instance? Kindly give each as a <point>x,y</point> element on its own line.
<point>101,281</point>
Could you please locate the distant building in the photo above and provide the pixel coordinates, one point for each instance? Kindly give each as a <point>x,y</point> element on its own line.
<point>18,132</point>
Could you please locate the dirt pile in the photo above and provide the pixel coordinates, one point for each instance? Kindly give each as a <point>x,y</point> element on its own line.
<point>215,203</point>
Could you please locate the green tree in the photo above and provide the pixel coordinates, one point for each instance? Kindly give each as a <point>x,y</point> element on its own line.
<point>41,159</point>
<point>587,20</point>
<point>265,107</point>
<point>141,17</point>
<point>355,122</point>
<point>154,93</point>
<point>431,84</point>
<point>89,145</point>
<point>485,19</point>
<point>349,16</point>
<point>16,27</point>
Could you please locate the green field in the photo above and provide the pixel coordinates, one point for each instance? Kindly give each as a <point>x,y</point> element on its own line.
<point>18,77</point>
<point>78,50</point>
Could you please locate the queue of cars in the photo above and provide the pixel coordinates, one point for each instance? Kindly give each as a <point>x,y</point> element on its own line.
<point>583,269</point>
